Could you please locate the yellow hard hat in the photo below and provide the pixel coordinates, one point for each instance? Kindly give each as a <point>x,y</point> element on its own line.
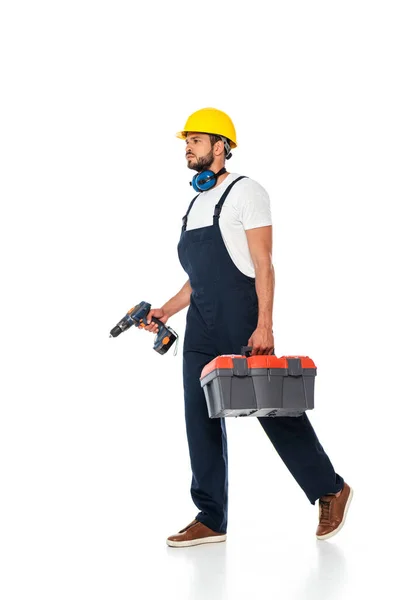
<point>210,120</point>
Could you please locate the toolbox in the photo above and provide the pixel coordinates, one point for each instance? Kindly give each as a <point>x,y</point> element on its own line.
<point>261,386</point>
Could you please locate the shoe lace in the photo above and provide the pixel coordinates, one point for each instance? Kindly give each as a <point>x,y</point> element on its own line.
<point>324,510</point>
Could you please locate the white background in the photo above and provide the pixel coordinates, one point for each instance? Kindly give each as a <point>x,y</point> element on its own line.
<point>95,470</point>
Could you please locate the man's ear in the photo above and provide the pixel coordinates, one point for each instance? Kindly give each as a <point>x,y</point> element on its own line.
<point>219,147</point>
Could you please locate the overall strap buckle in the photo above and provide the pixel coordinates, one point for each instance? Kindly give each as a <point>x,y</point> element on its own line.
<point>217,211</point>
<point>218,207</point>
<point>185,218</point>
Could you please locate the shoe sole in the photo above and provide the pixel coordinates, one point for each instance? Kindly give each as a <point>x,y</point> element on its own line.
<point>335,531</point>
<point>207,540</point>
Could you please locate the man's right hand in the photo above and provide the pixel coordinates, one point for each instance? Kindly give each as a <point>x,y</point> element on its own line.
<point>159,314</point>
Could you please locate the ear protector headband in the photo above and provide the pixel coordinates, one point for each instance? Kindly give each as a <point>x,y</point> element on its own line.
<point>205,180</point>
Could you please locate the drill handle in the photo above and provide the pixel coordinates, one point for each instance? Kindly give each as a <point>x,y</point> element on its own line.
<point>159,323</point>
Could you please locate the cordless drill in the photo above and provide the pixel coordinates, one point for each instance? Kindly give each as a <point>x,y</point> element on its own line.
<point>165,337</point>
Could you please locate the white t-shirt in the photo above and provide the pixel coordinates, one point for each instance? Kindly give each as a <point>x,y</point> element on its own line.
<point>246,206</point>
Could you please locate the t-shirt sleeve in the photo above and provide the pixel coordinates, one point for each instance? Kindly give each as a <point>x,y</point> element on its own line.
<point>255,207</point>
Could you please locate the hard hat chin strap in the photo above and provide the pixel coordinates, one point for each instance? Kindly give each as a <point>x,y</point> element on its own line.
<point>227,147</point>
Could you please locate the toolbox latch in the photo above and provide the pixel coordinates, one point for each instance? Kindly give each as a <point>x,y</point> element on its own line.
<point>240,367</point>
<point>295,367</point>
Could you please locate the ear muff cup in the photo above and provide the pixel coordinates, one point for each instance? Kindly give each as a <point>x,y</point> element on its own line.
<point>205,180</point>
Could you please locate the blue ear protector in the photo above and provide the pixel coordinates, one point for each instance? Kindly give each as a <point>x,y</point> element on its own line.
<point>205,180</point>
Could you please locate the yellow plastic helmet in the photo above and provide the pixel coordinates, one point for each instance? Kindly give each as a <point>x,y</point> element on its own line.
<point>210,120</point>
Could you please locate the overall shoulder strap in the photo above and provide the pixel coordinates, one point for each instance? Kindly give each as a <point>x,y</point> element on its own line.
<point>220,204</point>
<point>185,218</point>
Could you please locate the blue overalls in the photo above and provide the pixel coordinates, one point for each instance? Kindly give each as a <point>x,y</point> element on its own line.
<point>221,317</point>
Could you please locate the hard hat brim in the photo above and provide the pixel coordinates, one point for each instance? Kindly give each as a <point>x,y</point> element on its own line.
<point>182,136</point>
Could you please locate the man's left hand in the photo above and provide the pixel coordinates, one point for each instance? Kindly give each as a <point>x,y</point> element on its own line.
<point>262,340</point>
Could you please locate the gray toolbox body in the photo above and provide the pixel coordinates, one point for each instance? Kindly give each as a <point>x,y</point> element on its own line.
<point>259,386</point>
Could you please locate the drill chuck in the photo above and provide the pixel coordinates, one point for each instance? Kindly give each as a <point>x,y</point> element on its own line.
<point>124,324</point>
<point>115,331</point>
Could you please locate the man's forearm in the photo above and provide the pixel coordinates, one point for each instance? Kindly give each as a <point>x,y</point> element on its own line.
<point>265,287</point>
<point>178,302</point>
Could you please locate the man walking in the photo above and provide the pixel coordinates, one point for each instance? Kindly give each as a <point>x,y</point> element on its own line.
<point>225,248</point>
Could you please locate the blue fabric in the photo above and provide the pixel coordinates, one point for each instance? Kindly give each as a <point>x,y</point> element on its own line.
<point>220,319</point>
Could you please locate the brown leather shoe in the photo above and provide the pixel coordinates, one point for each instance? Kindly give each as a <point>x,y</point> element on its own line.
<point>193,534</point>
<point>332,512</point>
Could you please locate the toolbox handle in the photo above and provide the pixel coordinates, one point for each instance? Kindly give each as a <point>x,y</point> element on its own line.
<point>246,350</point>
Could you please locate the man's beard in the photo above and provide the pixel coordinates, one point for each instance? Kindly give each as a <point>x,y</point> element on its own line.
<point>202,163</point>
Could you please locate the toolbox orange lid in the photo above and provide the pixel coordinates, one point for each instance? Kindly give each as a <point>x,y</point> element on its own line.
<point>259,361</point>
